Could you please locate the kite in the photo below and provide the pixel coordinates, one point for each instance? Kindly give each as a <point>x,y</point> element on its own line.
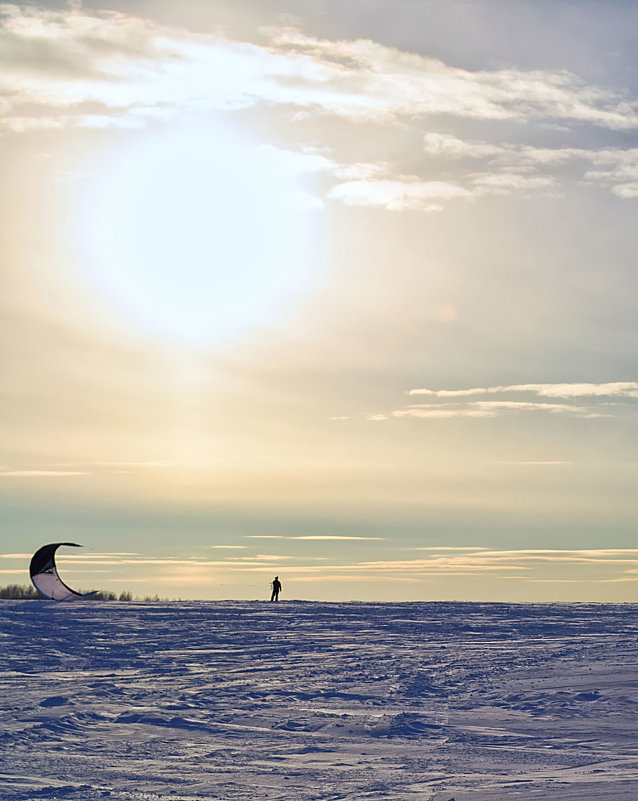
<point>44,574</point>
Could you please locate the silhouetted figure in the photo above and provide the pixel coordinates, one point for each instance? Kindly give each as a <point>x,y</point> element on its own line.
<point>276,589</point>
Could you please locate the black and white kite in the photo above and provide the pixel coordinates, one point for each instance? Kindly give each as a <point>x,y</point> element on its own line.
<point>44,574</point>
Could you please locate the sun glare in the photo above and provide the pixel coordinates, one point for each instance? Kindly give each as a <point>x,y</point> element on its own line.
<point>199,238</point>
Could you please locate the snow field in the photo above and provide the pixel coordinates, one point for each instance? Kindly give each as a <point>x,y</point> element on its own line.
<point>232,701</point>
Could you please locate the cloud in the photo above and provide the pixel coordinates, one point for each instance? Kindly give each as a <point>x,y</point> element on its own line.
<point>354,577</point>
<point>505,183</point>
<point>437,144</point>
<point>409,193</point>
<point>586,551</point>
<point>96,555</point>
<point>452,548</point>
<point>467,403</point>
<point>627,191</point>
<point>229,547</point>
<point>616,168</point>
<point>307,537</point>
<point>394,83</point>
<point>508,155</point>
<point>131,69</point>
<point>74,67</point>
<point>362,171</point>
<point>521,564</point>
<point>442,412</point>
<point>535,463</point>
<point>616,389</point>
<point>397,195</point>
<point>268,557</point>
<point>89,559</point>
<point>515,167</point>
<point>15,555</point>
<point>518,564</point>
<point>491,409</point>
<point>138,464</point>
<point>127,67</point>
<point>583,580</point>
<point>43,473</point>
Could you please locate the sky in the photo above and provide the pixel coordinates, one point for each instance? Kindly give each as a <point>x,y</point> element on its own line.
<point>338,291</point>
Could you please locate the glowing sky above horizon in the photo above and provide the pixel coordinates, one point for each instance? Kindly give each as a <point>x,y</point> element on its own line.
<point>340,291</point>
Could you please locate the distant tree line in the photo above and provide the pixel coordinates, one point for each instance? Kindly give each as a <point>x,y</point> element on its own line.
<point>17,592</point>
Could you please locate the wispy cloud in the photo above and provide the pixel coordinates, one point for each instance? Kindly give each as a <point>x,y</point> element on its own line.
<point>136,464</point>
<point>410,193</point>
<point>440,404</point>
<point>15,555</point>
<point>42,473</point>
<point>398,195</point>
<point>611,564</point>
<point>349,577</point>
<point>506,183</point>
<point>388,82</point>
<point>623,389</point>
<point>228,547</point>
<point>491,409</point>
<point>451,548</point>
<point>534,463</point>
<point>75,67</point>
<point>131,70</point>
<point>555,565</point>
<point>84,555</point>
<point>525,167</point>
<point>307,537</point>
<point>436,560</point>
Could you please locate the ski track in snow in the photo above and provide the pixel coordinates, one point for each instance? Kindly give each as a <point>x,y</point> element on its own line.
<point>308,701</point>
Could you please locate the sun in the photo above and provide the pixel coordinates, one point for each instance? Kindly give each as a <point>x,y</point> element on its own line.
<point>199,236</point>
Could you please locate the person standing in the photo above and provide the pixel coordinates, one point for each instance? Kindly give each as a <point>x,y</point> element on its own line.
<point>276,589</point>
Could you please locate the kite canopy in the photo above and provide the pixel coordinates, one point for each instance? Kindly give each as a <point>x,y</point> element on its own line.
<point>44,574</point>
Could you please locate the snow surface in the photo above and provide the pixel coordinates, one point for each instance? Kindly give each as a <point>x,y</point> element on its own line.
<point>298,701</point>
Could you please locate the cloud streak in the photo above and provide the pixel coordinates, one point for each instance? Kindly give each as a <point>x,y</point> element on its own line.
<point>396,195</point>
<point>133,70</point>
<point>517,167</point>
<point>551,565</point>
<point>611,564</point>
<point>441,404</point>
<point>42,473</point>
<point>308,537</point>
<point>484,409</point>
<point>617,389</point>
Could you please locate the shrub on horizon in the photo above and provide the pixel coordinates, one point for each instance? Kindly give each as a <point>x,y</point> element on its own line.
<point>16,592</point>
